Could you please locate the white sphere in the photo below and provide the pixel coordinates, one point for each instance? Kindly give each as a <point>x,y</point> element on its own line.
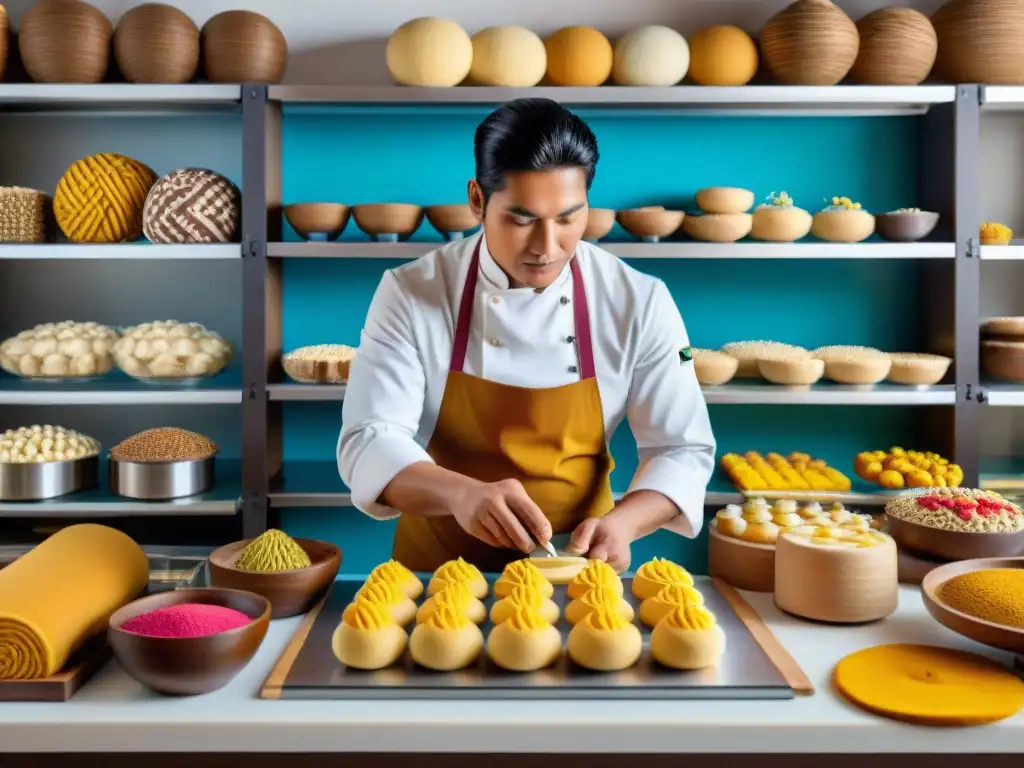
<point>653,55</point>
<point>429,52</point>
<point>513,57</point>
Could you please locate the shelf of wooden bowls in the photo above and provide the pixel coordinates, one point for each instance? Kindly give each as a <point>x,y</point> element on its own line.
<point>452,221</point>
<point>388,222</point>
<point>188,666</point>
<point>842,225</point>
<point>318,222</point>
<point>836,583</point>
<point>724,200</point>
<point>743,564</point>
<point>651,223</point>
<point>599,223</point>
<point>319,364</point>
<point>47,480</point>
<point>917,369</point>
<point>718,227</point>
<point>778,223</point>
<point>792,371</point>
<point>855,366</point>
<point>713,368</point>
<point>906,225</point>
<point>160,480</point>
<point>289,592</point>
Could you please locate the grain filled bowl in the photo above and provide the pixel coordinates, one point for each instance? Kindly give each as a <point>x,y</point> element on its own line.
<point>186,666</point>
<point>290,592</point>
<point>161,464</point>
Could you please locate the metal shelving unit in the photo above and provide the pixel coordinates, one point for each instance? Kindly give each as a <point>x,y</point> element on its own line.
<point>145,251</point>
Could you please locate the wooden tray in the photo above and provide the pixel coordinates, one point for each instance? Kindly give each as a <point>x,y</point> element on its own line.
<point>63,685</point>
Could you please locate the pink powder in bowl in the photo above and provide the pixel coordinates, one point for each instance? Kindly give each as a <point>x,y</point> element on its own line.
<point>186,620</point>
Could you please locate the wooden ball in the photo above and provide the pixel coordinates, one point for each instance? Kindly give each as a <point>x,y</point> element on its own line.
<point>897,47</point>
<point>429,52</point>
<point>579,56</point>
<point>811,42</point>
<point>65,41</point>
<point>980,41</point>
<point>652,55</point>
<point>723,55</point>
<point>513,57</point>
<point>156,43</point>
<point>242,46</point>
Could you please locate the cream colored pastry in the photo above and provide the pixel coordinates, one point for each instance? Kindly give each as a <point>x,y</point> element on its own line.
<point>461,571</point>
<point>528,596</point>
<point>521,572</point>
<point>750,505</point>
<point>391,597</point>
<point>657,573</point>
<point>524,642</point>
<point>447,641</point>
<point>761,515</point>
<point>597,573</point>
<point>560,570</point>
<point>731,526</point>
<point>398,574</point>
<point>822,521</point>
<point>60,350</point>
<point>840,515</point>
<point>173,350</point>
<point>810,510</point>
<point>688,638</point>
<point>729,511</point>
<point>457,597</point>
<point>833,537</point>
<point>784,507</point>
<point>604,641</point>
<point>598,597</point>
<point>761,533</point>
<point>787,519</point>
<point>806,531</point>
<point>654,609</point>
<point>860,523</point>
<point>368,637</point>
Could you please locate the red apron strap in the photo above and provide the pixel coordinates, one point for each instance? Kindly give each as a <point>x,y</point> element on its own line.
<point>462,324</point>
<point>581,319</point>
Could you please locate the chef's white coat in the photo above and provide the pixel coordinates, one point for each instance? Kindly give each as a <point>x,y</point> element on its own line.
<point>520,337</point>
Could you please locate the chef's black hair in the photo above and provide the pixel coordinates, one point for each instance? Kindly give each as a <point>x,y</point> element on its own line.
<point>531,135</point>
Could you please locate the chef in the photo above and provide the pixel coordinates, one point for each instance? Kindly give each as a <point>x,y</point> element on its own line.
<point>493,371</point>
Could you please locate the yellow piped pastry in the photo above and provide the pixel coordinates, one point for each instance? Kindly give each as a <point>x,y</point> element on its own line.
<point>597,573</point>
<point>446,641</point>
<point>524,642</point>
<point>598,597</point>
<point>654,609</point>
<point>521,572</point>
<point>526,596</point>
<point>368,636</point>
<point>604,641</point>
<point>394,571</point>
<point>457,597</point>
<point>390,596</point>
<point>688,638</point>
<point>657,573</point>
<point>461,571</point>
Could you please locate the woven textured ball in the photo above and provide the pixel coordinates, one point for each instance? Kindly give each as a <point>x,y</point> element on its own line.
<point>429,52</point>
<point>811,42</point>
<point>652,55</point>
<point>100,199</point>
<point>980,41</point>
<point>723,55</point>
<point>897,47</point>
<point>513,57</point>
<point>156,43</point>
<point>192,205</point>
<point>579,56</point>
<point>65,41</point>
<point>243,47</point>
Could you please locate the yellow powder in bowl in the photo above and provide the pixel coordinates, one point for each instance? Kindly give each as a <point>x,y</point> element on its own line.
<point>272,551</point>
<point>993,594</point>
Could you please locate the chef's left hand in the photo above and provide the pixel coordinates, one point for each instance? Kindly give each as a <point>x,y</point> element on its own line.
<point>603,538</point>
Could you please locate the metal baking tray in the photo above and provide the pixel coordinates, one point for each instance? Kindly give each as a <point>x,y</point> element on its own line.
<point>36,482</point>
<point>746,672</point>
<point>160,480</point>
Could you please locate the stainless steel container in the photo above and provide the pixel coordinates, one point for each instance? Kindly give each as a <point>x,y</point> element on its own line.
<point>160,480</point>
<point>36,482</point>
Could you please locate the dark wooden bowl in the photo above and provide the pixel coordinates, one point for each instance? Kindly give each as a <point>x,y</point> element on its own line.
<point>189,665</point>
<point>289,592</point>
<point>979,630</point>
<point>954,545</point>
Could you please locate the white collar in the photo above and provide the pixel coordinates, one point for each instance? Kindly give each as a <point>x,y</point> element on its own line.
<point>496,278</point>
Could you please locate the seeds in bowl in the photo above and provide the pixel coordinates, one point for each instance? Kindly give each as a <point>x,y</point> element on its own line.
<point>43,444</point>
<point>966,510</point>
<point>164,444</point>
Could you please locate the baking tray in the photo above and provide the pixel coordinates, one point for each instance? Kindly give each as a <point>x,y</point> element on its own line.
<point>160,480</point>
<point>47,480</point>
<point>752,667</point>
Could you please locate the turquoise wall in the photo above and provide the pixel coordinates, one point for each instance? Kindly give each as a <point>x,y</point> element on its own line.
<point>425,156</point>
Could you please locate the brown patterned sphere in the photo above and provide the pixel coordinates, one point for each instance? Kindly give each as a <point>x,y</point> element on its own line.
<point>65,41</point>
<point>156,43</point>
<point>192,205</point>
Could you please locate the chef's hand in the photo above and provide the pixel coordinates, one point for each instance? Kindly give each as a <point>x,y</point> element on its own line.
<point>603,538</point>
<point>502,514</point>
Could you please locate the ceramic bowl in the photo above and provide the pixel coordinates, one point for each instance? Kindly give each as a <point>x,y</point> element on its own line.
<point>599,223</point>
<point>843,226</point>
<point>289,592</point>
<point>714,368</point>
<point>651,223</point>
<point>780,224</point>
<point>1003,360</point>
<point>189,666</point>
<point>718,227</point>
<point>906,227</point>
<point>860,371</point>
<point>917,369</point>
<point>792,372</point>
<point>953,545</point>
<point>725,200</point>
<point>452,221</point>
<point>388,221</point>
<point>317,221</point>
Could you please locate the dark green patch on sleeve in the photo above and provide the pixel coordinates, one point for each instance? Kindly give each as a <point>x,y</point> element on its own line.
<point>685,355</point>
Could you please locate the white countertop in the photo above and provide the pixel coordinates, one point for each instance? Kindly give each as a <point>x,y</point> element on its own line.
<point>115,714</point>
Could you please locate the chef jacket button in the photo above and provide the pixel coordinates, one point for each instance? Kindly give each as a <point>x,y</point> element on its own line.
<point>564,300</point>
<point>570,339</point>
<point>572,369</point>
<point>496,300</point>
<point>495,343</point>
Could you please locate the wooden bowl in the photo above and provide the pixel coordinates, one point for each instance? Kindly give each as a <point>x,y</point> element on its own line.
<point>289,592</point>
<point>843,226</point>
<point>189,665</point>
<point>317,221</point>
<point>917,369</point>
<point>311,370</point>
<point>718,227</point>
<point>243,47</point>
<point>713,368</point>
<point>905,227</point>
<point>388,221</point>
<point>599,223</point>
<point>953,545</point>
<point>743,564</point>
<point>780,224</point>
<point>841,586</point>
<point>652,223</point>
<point>1011,327</point>
<point>860,371</point>
<point>981,631</point>
<point>1003,360</point>
<point>65,41</point>
<point>725,200</point>
<point>792,372</point>
<point>156,43</point>
<point>452,220</point>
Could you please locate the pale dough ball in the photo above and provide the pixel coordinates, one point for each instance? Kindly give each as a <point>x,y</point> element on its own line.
<point>429,52</point>
<point>513,57</point>
<point>653,55</point>
<point>578,56</point>
<point>722,55</point>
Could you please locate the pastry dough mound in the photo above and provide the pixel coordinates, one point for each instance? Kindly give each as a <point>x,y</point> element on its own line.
<point>598,597</point>
<point>521,572</point>
<point>596,573</point>
<point>655,574</point>
<point>524,642</point>
<point>457,597</point>
<point>390,596</point>
<point>527,596</point>
<point>461,571</point>
<point>368,637</point>
<point>667,600</point>
<point>688,638</point>
<point>560,570</point>
<point>445,642</point>
<point>604,641</point>
<point>392,570</point>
